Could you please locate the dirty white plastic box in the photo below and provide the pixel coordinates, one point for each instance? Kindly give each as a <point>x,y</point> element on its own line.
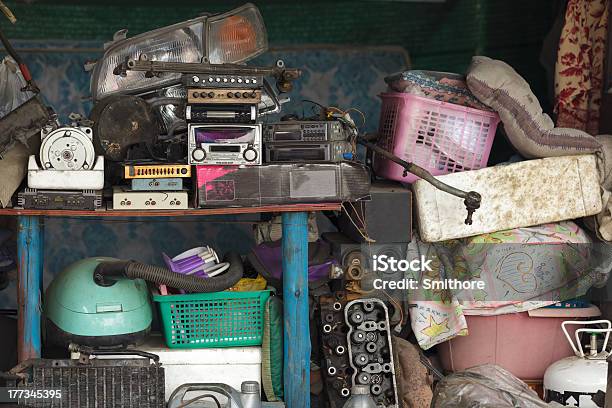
<point>228,365</point>
<point>523,194</point>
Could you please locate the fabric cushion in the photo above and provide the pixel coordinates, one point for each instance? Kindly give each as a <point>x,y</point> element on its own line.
<point>272,350</point>
<point>531,132</point>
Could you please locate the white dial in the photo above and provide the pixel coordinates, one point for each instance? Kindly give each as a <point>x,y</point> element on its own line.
<point>198,155</point>
<point>250,154</point>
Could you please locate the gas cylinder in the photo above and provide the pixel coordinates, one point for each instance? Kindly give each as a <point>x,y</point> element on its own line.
<point>580,380</point>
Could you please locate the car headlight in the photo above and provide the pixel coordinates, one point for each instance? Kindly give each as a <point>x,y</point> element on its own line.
<point>232,37</point>
<point>236,36</point>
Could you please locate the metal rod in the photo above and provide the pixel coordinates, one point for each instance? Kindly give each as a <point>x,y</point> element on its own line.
<point>205,68</point>
<point>472,199</point>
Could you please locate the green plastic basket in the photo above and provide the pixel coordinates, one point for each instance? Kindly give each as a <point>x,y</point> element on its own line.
<point>219,319</point>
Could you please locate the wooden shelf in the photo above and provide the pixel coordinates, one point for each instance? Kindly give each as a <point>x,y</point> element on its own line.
<point>176,213</point>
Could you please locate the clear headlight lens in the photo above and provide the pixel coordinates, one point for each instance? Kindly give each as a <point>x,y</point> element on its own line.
<point>180,43</point>
<point>236,36</point>
<point>225,38</point>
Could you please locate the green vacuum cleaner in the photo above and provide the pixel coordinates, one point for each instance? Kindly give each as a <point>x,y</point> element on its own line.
<point>105,302</point>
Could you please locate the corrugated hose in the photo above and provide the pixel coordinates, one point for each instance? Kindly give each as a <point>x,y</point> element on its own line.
<point>106,273</point>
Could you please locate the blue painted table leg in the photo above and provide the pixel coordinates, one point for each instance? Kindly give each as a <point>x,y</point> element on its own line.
<point>29,288</point>
<point>295,300</point>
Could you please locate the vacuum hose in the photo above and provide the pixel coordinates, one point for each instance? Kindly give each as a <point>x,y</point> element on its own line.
<point>106,273</point>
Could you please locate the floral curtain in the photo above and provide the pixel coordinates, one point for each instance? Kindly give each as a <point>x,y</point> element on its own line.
<point>580,65</point>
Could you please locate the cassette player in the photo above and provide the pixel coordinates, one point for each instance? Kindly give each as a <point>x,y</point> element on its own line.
<point>221,144</point>
<point>223,81</point>
<point>304,131</point>
<point>214,113</point>
<point>308,152</point>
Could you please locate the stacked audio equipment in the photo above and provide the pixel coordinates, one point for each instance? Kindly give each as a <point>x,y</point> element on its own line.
<point>306,141</point>
<point>222,113</point>
<point>153,187</point>
<point>67,175</point>
<point>240,159</point>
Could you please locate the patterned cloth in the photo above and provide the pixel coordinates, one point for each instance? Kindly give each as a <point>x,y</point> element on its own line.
<point>441,86</point>
<point>580,65</point>
<point>523,269</point>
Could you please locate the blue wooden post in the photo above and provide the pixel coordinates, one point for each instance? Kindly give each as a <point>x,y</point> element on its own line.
<point>29,287</point>
<point>295,300</point>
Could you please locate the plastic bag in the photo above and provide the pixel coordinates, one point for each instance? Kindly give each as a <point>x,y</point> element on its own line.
<point>486,386</point>
<point>11,82</point>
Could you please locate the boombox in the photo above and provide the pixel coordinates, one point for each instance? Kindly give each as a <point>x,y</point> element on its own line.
<point>308,152</point>
<point>240,186</point>
<point>224,144</point>
<point>304,131</point>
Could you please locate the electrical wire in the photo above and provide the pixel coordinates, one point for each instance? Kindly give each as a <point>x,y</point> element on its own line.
<point>362,233</point>
<point>363,117</point>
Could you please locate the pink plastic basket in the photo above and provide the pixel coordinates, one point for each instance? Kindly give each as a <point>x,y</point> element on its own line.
<point>439,136</point>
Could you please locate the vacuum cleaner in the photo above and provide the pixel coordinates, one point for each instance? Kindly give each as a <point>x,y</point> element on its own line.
<point>105,302</point>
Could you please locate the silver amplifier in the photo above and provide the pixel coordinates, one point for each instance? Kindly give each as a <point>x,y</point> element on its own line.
<point>308,152</point>
<point>304,131</point>
<point>225,144</point>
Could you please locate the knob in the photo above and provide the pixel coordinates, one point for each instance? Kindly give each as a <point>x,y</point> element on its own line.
<point>246,94</point>
<point>211,94</point>
<point>195,79</point>
<point>195,94</point>
<point>250,154</point>
<point>198,155</point>
<point>230,95</point>
<point>237,95</point>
